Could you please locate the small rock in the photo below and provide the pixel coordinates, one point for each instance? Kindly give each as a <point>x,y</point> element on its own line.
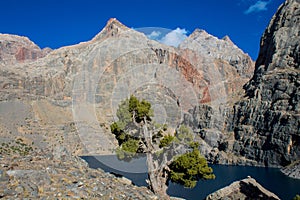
<point>19,189</point>
<point>125,181</point>
<point>3,176</point>
<point>80,184</point>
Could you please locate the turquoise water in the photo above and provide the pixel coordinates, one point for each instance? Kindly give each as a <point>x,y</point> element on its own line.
<point>270,178</point>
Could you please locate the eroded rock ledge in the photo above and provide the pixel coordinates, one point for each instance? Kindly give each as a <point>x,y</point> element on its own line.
<point>246,188</point>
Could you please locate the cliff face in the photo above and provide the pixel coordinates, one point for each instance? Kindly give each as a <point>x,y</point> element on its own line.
<point>267,122</point>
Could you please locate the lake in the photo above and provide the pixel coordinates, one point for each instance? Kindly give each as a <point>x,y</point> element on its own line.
<point>135,170</point>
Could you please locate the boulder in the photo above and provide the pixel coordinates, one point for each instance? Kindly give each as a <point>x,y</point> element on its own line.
<point>246,188</point>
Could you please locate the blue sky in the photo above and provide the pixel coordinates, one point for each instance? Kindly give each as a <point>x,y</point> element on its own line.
<point>57,23</point>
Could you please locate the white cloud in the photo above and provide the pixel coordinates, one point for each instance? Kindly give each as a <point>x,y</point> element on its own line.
<point>257,7</point>
<point>174,37</point>
<point>154,35</point>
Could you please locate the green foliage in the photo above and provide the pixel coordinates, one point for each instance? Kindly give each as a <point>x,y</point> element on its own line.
<point>133,104</point>
<point>188,168</point>
<point>144,110</point>
<point>140,109</point>
<point>184,134</point>
<point>194,145</point>
<point>165,127</point>
<point>131,145</point>
<point>297,197</point>
<point>128,149</point>
<point>133,107</point>
<point>118,131</point>
<point>116,128</point>
<point>166,141</point>
<point>124,114</point>
<point>129,110</point>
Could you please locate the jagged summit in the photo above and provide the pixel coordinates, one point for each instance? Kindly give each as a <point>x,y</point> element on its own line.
<point>198,32</point>
<point>212,47</point>
<point>113,27</point>
<point>280,41</point>
<point>227,39</point>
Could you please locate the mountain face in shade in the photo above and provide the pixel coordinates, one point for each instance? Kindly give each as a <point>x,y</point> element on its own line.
<point>267,121</point>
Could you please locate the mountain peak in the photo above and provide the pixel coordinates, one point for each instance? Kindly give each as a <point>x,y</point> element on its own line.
<point>113,27</point>
<point>114,23</point>
<point>197,32</point>
<point>227,39</point>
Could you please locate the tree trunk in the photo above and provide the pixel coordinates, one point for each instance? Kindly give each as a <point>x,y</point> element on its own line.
<point>156,172</point>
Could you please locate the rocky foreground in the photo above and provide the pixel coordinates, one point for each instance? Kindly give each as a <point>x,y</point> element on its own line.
<point>58,175</point>
<point>55,174</point>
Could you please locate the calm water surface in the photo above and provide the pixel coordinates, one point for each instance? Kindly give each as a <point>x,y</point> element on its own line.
<point>270,178</point>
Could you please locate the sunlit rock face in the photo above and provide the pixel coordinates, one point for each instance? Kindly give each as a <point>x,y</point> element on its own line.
<point>204,74</point>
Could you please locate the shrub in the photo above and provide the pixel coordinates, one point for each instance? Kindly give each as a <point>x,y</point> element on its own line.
<point>166,141</point>
<point>188,168</point>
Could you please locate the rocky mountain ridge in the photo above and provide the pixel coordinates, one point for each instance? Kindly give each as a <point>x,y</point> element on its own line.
<point>61,76</point>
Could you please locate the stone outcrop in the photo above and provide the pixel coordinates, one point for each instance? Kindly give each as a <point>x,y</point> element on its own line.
<point>246,188</point>
<point>266,122</point>
<point>15,49</point>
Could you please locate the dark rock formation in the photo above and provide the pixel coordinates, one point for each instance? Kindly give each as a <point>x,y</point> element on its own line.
<point>292,170</point>
<point>267,122</point>
<point>247,188</point>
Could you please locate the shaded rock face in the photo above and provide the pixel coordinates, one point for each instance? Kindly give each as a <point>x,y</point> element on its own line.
<point>267,122</point>
<point>292,170</point>
<point>14,49</point>
<point>247,188</point>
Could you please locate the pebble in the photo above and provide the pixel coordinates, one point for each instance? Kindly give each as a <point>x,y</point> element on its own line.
<point>19,189</point>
